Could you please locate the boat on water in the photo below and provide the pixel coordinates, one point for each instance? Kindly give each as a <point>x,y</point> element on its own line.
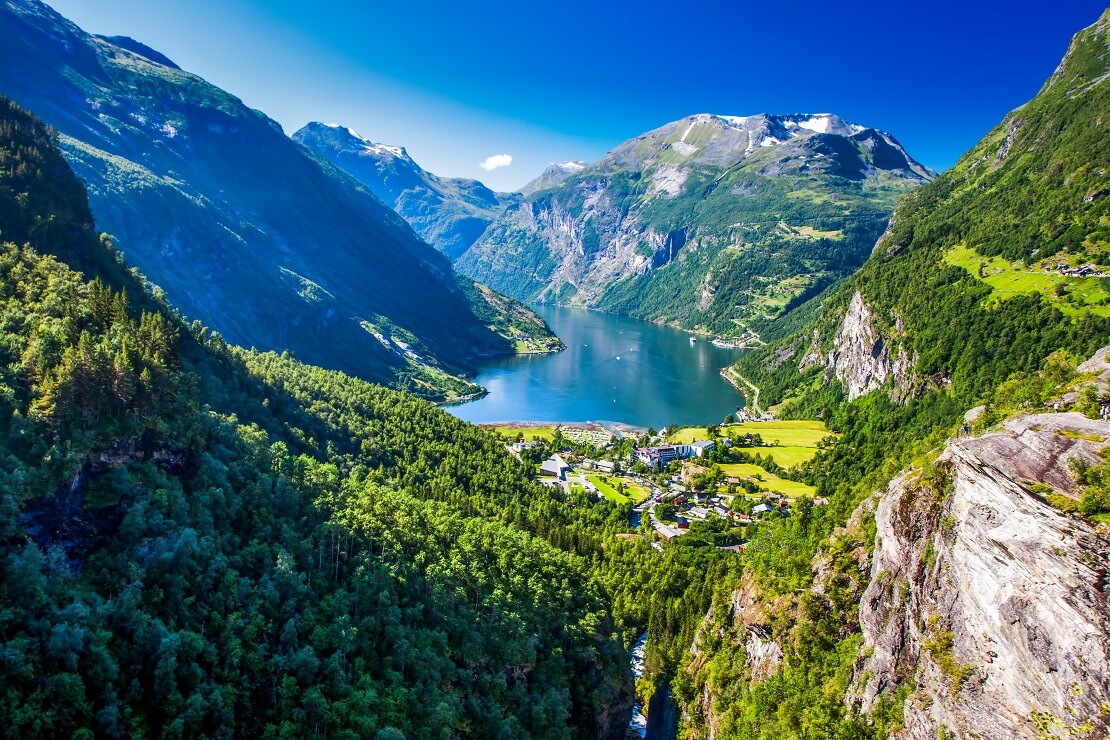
<point>693,340</point>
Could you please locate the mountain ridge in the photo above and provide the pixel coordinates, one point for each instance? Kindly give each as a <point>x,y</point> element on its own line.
<point>241,227</point>
<point>720,224</point>
<point>449,213</point>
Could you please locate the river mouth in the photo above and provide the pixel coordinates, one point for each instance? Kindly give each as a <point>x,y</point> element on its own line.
<point>614,368</point>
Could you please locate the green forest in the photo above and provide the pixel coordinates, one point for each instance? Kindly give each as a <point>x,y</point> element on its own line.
<point>199,539</point>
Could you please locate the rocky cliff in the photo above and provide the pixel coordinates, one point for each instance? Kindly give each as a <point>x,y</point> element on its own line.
<point>861,358</point>
<point>988,600</point>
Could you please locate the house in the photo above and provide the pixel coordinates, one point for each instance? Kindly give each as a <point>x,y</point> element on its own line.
<point>518,447</point>
<point>761,509</point>
<point>696,512</point>
<point>702,446</point>
<point>721,511</point>
<point>606,466</point>
<point>555,466</point>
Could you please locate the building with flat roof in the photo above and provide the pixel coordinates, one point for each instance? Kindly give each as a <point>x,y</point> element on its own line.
<point>702,446</point>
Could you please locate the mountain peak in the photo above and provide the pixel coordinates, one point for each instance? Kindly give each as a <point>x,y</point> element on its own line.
<point>342,137</point>
<point>1085,64</point>
<point>554,174</point>
<point>791,139</point>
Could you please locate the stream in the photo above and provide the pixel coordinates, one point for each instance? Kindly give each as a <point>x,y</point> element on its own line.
<point>662,709</point>
<point>638,725</point>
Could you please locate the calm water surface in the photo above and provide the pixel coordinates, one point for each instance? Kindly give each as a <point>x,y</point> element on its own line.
<point>613,369</point>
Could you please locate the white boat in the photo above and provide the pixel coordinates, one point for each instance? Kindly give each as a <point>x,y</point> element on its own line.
<point>693,340</point>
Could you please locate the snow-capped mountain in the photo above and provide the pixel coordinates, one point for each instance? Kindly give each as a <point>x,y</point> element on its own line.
<point>553,175</point>
<point>449,213</point>
<point>715,222</point>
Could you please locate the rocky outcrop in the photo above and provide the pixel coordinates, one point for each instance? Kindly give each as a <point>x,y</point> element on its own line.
<point>991,602</point>
<point>862,360</point>
<point>69,519</point>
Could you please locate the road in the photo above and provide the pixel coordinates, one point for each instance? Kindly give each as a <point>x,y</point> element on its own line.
<point>649,506</point>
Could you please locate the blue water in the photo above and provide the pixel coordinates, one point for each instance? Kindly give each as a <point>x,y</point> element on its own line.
<point>614,369</point>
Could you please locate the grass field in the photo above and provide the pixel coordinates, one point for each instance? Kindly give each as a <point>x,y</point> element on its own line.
<point>635,491</point>
<point>530,433</point>
<point>770,481</point>
<point>606,488</point>
<point>791,442</point>
<point>1009,279</point>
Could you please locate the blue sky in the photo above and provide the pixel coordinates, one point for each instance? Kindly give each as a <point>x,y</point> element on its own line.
<point>458,82</point>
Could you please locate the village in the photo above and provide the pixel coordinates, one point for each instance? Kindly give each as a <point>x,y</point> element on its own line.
<point>714,481</point>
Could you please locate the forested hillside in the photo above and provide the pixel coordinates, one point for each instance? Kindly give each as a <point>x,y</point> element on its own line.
<point>203,540</point>
<point>245,230</point>
<point>891,361</point>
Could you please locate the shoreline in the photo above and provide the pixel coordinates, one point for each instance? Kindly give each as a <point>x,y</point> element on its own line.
<point>737,343</point>
<point>520,424</point>
<point>735,379</point>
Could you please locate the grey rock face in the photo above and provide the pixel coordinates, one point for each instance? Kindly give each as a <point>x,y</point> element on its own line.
<point>991,601</point>
<point>697,222</point>
<point>861,358</point>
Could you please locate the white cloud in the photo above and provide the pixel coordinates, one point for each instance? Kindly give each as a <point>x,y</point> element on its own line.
<point>497,160</point>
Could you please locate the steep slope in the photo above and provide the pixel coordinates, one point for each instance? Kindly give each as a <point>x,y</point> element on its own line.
<point>954,581</point>
<point>990,601</point>
<point>986,270</point>
<point>448,213</point>
<point>240,226</point>
<point>198,540</point>
<point>720,223</point>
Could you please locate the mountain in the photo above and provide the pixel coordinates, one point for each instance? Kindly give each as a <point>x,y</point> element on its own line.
<point>200,540</point>
<point>448,213</point>
<point>716,223</point>
<point>983,272</point>
<point>953,583</point>
<point>242,228</point>
<point>554,175</point>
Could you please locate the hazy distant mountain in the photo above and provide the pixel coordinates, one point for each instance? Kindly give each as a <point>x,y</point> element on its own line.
<point>243,228</point>
<point>554,175</point>
<point>713,222</point>
<point>449,213</point>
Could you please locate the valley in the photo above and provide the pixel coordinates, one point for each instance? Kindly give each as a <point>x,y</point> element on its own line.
<point>751,427</point>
